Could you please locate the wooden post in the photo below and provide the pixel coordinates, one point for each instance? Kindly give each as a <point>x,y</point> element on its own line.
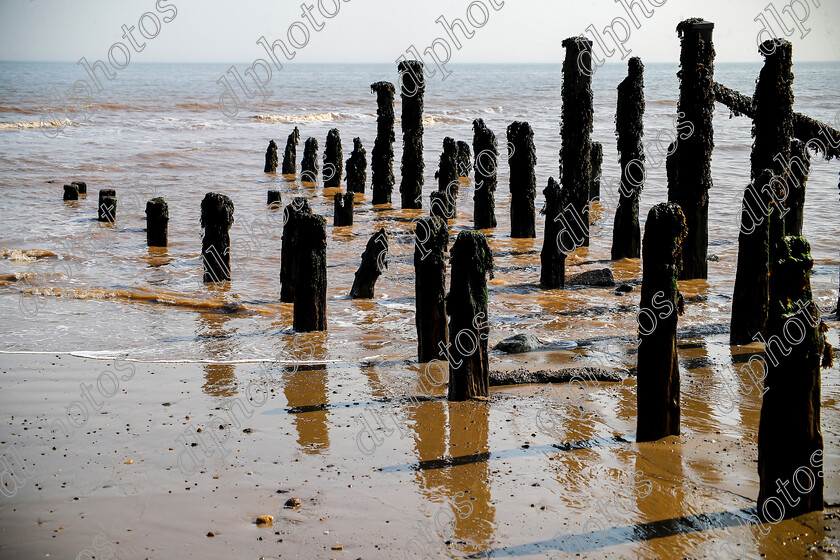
<point>103,193</point>
<point>523,182</point>
<point>658,377</point>
<point>466,304</point>
<point>333,160</point>
<point>357,167</point>
<point>310,307</point>
<point>447,176</point>
<point>596,159</point>
<point>274,199</point>
<point>431,238</point>
<point>689,166</point>
<point>486,155</point>
<point>71,192</point>
<point>412,88</point>
<point>343,209</point>
<point>109,209</point>
<point>576,128</point>
<point>374,263</point>
<point>552,258</point>
<point>439,206</point>
<point>290,154</point>
<point>629,129</point>
<point>800,166</point>
<point>216,219</point>
<point>271,158</point>
<point>294,213</point>
<point>82,186</point>
<point>309,163</point>
<point>382,157</point>
<point>157,222</point>
<point>464,159</point>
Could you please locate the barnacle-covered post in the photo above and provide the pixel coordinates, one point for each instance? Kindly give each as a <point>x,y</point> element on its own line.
<point>309,164</point>
<point>343,209</point>
<point>486,159</point>
<point>357,167</point>
<point>447,175</point>
<point>271,158</point>
<point>374,263</point>
<point>464,159</point>
<point>310,304</point>
<point>522,158</point>
<point>290,154</point>
<point>382,158</point>
<point>216,219</point>
<point>294,213</point>
<point>552,258</point>
<point>431,238</point>
<point>333,160</point>
<point>412,89</point>
<point>157,222</point>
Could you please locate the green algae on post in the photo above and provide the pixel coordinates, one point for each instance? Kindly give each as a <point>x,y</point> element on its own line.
<point>486,156</point>
<point>356,167</point>
<point>522,157</point>
<point>552,258</point>
<point>310,301</point>
<point>374,263</point>
<point>382,157</point>
<point>431,239</point>
<point>216,219</point>
<point>157,222</point>
<point>412,88</point>
<point>290,154</point>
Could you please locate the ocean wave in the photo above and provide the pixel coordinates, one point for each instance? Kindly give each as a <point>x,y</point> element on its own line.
<point>30,125</point>
<point>202,106</point>
<point>314,117</point>
<point>27,255</point>
<point>33,111</point>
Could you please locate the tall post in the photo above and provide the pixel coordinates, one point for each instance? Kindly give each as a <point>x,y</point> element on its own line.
<point>800,166</point>
<point>357,167</point>
<point>431,238</point>
<point>333,160</point>
<point>216,219</point>
<point>464,159</point>
<point>412,88</point>
<point>576,128</point>
<point>522,157</point>
<point>690,165</point>
<point>343,209</point>
<point>596,159</point>
<point>629,129</point>
<point>374,263</point>
<point>271,158</point>
<point>309,163</point>
<point>290,154</point>
<point>552,258</point>
<point>466,304</point>
<point>486,156</point>
<point>310,306</point>
<point>157,222</point>
<point>294,213</point>
<point>382,157</point>
<point>658,377</point>
<point>447,176</point>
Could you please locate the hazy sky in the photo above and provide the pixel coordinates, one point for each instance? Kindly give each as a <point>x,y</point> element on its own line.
<point>381,30</point>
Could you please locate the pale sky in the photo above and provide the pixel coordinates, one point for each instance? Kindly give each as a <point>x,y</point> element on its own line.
<point>382,30</point>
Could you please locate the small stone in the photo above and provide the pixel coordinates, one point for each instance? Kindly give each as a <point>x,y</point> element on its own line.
<point>211,534</point>
<point>519,343</point>
<point>600,277</point>
<point>624,288</point>
<point>338,547</point>
<point>293,503</point>
<point>265,520</point>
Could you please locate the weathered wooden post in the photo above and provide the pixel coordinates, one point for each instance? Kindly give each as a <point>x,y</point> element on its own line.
<point>596,159</point>
<point>310,306</point>
<point>82,186</point>
<point>109,209</point>
<point>374,263</point>
<point>271,158</point>
<point>412,88</point>
<point>357,167</point>
<point>309,163</point>
<point>772,130</point>
<point>800,166</point>
<point>431,238</point>
<point>690,165</point>
<point>290,154</point>
<point>522,157</point>
<point>790,443</point>
<point>447,175</point>
<point>104,193</point>
<point>486,155</point>
<point>333,160</point>
<point>658,378</point>
<point>71,192</point>
<point>343,209</point>
<point>552,258</point>
<point>629,129</point>
<point>382,157</point>
<point>466,304</point>
<point>274,199</point>
<point>216,219</point>
<point>464,159</point>
<point>576,128</point>
<point>294,213</point>
<point>157,222</point>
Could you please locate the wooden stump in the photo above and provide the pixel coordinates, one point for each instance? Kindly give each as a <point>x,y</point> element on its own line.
<point>552,258</point>
<point>109,209</point>
<point>522,158</point>
<point>271,158</point>
<point>447,176</point>
<point>800,166</point>
<point>596,159</point>
<point>486,156</point>
<point>374,263</point>
<point>431,238</point>
<point>466,304</point>
<point>103,193</point>
<point>293,214</point>
<point>71,192</point>
<point>82,186</point>
<point>333,160</point>
<point>309,163</point>
<point>412,88</point>
<point>382,157</point>
<point>439,206</point>
<point>157,222</point>
<point>290,154</point>
<point>343,209</point>
<point>357,167</point>
<point>216,219</point>
<point>464,159</point>
<point>310,305</point>
<point>274,199</point>
<point>658,378</point>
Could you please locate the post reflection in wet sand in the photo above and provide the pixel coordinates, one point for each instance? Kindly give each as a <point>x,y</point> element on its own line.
<point>213,330</point>
<point>306,385</point>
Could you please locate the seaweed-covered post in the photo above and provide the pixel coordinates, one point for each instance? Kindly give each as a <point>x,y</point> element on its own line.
<point>629,129</point>
<point>71,192</point>
<point>310,306</point>
<point>772,130</point>
<point>464,159</point>
<point>290,154</point>
<point>157,222</point>
<point>374,263</point>
<point>431,238</point>
<point>690,165</point>
<point>412,88</point>
<point>357,167</point>
<point>309,163</point>
<point>576,128</point>
<point>486,155</point>
<point>216,219</point>
<point>343,209</point>
<point>523,182</point>
<point>333,160</point>
<point>466,304</point>
<point>274,199</point>
<point>271,158</point>
<point>82,186</point>
<point>294,213</point>
<point>596,159</point>
<point>382,157</point>
<point>447,175</point>
<point>102,216</point>
<point>800,166</point>
<point>658,385</point>
<point>790,443</point>
<point>439,206</point>
<point>552,258</point>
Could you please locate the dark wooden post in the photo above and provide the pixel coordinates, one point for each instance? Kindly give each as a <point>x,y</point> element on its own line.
<point>772,130</point>
<point>333,160</point>
<point>447,176</point>
<point>552,258</point>
<point>274,199</point>
<point>412,88</point>
<point>271,158</point>
<point>439,206</point>
<point>357,167</point>
<point>103,193</point>
<point>71,192</point>
<point>109,209</point>
<point>157,222</point>
<point>522,157</point>
<point>790,442</point>
<point>82,186</point>
<point>374,263</point>
<point>486,156</point>
<point>658,385</point>
<point>464,159</point>
<point>216,219</point>
<point>689,166</point>
<point>382,157</point>
<point>596,159</point>
<point>294,213</point>
<point>576,128</point>
<point>800,166</point>
<point>309,163</point>
<point>466,304</point>
<point>431,238</point>
<point>290,154</point>
<point>310,307</point>
<point>343,209</point>
<point>629,129</point>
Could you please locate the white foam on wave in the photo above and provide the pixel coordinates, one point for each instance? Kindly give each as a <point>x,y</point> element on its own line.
<point>29,125</point>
